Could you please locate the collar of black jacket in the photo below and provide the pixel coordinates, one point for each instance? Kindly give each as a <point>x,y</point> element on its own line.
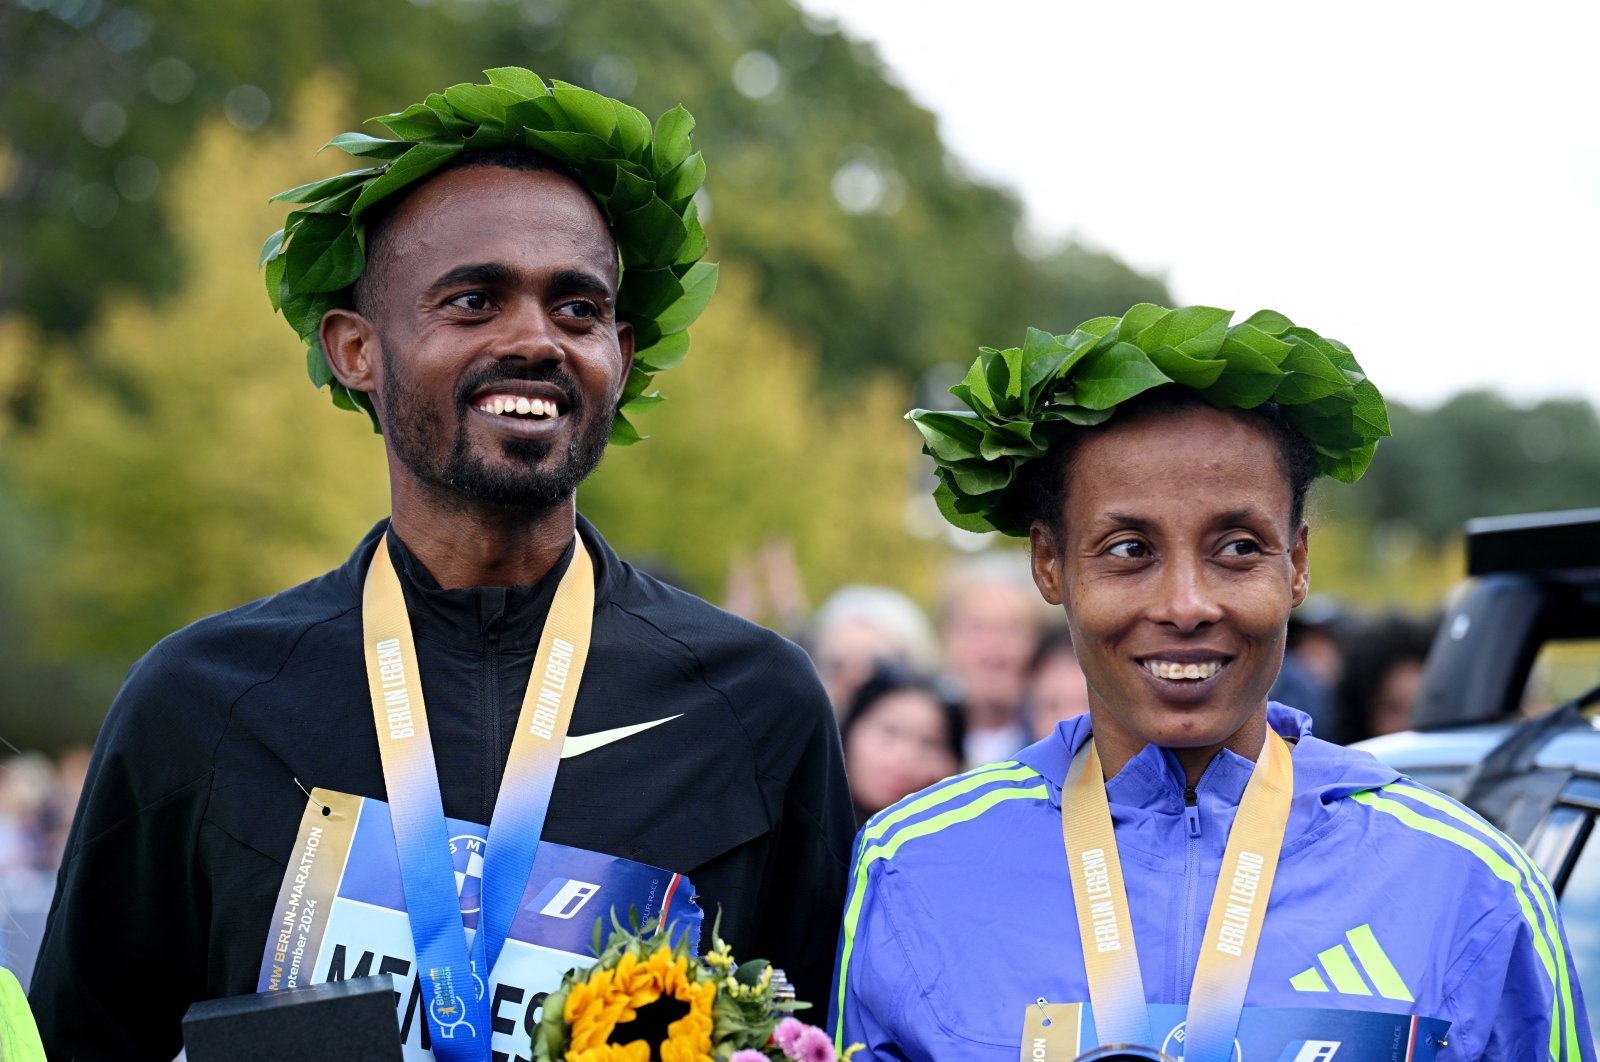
<point>467,618</point>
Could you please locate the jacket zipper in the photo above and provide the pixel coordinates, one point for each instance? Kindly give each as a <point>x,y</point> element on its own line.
<point>1191,872</point>
<point>491,702</point>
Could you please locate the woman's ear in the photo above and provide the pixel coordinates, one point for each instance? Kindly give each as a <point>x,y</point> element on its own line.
<point>351,345</point>
<point>1300,559</point>
<point>1045,553</point>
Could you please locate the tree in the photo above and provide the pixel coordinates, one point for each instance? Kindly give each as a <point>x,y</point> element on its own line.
<point>1479,454</point>
<point>828,185</point>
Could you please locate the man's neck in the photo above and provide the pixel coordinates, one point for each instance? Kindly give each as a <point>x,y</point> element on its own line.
<point>471,545</point>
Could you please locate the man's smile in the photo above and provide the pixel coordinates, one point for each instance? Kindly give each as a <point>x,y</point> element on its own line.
<point>525,408</point>
<point>518,405</point>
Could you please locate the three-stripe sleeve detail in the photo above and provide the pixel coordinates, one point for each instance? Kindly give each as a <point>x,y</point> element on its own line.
<point>959,806</point>
<point>1507,862</point>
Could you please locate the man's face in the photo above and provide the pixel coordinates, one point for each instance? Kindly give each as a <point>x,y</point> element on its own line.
<point>501,356</point>
<point>1177,566</point>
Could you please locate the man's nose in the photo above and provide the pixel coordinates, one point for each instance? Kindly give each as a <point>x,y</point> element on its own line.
<point>1186,597</point>
<point>528,333</point>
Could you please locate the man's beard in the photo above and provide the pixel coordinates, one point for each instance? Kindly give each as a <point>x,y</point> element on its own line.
<point>526,481</point>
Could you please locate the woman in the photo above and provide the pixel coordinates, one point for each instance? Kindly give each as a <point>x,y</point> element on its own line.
<point>1187,858</point>
<point>901,732</point>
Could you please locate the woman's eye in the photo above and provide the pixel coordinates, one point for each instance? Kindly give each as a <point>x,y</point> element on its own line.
<point>1130,549</point>
<point>1241,547</point>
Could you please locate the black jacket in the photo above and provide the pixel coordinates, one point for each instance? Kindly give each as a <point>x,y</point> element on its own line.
<point>191,807</point>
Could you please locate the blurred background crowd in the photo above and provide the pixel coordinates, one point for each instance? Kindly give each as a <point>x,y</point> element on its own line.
<point>162,456</point>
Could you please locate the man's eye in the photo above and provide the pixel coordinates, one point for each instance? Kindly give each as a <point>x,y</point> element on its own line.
<point>1241,547</point>
<point>1129,549</point>
<point>579,308</point>
<point>473,301</point>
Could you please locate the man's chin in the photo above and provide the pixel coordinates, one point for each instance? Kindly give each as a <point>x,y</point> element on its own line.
<point>530,494</point>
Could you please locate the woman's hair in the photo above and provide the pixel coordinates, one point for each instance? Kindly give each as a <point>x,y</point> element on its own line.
<point>1044,481</point>
<point>888,678</point>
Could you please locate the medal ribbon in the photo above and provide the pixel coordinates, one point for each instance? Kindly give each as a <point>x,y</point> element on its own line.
<point>1233,929</point>
<point>454,981</point>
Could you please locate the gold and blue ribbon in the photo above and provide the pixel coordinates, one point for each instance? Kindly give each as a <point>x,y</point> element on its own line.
<point>1233,928</point>
<point>454,977</point>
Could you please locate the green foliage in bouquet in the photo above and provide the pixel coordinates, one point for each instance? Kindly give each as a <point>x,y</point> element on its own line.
<point>1021,399</point>
<point>644,178</point>
<point>727,1006</point>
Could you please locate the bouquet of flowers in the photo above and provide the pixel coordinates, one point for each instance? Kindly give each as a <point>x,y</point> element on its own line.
<point>650,999</point>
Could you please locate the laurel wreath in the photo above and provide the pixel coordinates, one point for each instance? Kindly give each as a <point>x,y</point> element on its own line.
<point>1019,400</point>
<point>644,178</point>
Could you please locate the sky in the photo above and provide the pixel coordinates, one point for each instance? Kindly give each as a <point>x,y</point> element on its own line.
<point>1420,180</point>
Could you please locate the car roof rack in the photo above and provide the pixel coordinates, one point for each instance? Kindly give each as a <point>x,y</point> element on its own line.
<point>1535,542</point>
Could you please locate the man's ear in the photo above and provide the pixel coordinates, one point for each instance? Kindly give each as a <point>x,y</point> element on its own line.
<point>625,345</point>
<point>352,347</point>
<point>1046,557</point>
<point>1300,561</point>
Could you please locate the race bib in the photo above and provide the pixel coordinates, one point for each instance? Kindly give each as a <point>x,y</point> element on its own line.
<point>341,913</point>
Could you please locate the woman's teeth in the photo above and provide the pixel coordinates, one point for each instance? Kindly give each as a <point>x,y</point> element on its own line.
<point>518,404</point>
<point>1169,669</point>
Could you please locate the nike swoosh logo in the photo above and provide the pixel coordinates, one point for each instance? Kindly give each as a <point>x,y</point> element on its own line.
<point>578,744</point>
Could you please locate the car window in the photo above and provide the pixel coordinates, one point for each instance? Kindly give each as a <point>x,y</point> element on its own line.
<point>1563,669</point>
<point>1555,841</point>
<point>1580,911</point>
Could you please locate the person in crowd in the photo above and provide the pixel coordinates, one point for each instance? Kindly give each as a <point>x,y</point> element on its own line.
<point>860,627</point>
<point>27,857</point>
<point>902,732</point>
<point>1056,687</point>
<point>1185,868</point>
<point>1312,662</point>
<point>498,296</point>
<point>988,631</point>
<point>1383,675</point>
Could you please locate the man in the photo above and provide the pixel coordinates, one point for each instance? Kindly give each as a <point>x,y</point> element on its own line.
<point>486,331</point>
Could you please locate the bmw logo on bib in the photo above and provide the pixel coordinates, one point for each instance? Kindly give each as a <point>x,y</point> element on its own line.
<point>1173,1045</point>
<point>466,852</point>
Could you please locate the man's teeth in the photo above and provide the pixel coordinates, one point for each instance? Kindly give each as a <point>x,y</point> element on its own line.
<point>1169,669</point>
<point>519,404</point>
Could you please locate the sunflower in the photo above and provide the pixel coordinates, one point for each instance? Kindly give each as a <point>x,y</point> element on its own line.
<point>610,997</point>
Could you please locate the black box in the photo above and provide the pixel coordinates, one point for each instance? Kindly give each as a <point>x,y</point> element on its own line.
<point>341,1021</point>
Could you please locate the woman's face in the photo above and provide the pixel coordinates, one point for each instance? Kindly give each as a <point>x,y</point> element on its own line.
<point>898,747</point>
<point>1177,567</point>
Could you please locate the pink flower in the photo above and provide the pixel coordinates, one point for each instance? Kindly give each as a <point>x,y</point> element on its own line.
<point>748,1055</point>
<point>814,1046</point>
<point>787,1034</point>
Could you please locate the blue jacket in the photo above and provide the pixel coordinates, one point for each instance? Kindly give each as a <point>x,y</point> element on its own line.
<point>1388,897</point>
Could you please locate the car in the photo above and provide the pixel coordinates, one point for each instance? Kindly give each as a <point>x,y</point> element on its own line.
<point>1534,583</point>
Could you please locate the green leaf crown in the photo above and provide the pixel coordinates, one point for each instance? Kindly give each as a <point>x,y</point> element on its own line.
<point>644,179</point>
<point>1022,399</point>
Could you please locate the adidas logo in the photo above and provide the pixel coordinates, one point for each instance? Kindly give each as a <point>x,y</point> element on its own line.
<point>1346,973</point>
